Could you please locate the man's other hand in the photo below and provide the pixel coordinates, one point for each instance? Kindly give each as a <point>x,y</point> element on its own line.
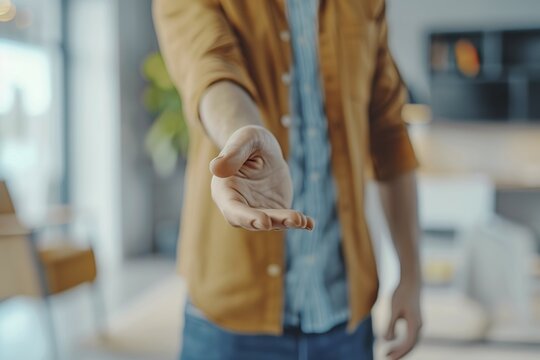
<point>252,185</point>
<point>405,306</point>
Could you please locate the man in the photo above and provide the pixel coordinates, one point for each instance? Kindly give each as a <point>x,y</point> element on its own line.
<point>300,99</point>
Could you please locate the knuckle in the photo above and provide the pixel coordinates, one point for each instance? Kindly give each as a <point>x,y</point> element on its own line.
<point>250,130</point>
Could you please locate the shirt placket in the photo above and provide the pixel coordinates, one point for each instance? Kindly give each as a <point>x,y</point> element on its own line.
<point>308,130</point>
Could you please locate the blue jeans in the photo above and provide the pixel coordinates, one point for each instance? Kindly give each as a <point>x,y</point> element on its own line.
<point>202,340</point>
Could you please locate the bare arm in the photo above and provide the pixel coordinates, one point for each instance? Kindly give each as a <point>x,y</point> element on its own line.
<point>399,200</point>
<point>394,162</point>
<point>225,107</point>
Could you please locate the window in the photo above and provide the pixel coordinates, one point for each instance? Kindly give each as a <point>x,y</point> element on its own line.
<point>32,153</point>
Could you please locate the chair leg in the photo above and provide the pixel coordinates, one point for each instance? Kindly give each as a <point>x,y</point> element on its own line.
<point>53,341</point>
<point>100,311</point>
<point>44,289</point>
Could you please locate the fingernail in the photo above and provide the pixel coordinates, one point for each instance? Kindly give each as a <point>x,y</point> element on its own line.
<point>257,225</point>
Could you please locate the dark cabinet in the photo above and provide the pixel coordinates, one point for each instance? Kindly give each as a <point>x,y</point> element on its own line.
<point>485,75</point>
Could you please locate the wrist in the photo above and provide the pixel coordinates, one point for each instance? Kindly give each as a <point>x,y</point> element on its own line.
<point>411,275</point>
<point>226,108</point>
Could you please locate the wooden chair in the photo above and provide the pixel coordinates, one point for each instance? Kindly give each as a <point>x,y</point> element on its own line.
<point>28,267</point>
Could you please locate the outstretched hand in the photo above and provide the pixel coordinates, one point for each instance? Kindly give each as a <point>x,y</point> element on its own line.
<point>252,185</point>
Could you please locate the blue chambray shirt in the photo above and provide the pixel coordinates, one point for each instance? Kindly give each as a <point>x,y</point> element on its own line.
<point>315,280</point>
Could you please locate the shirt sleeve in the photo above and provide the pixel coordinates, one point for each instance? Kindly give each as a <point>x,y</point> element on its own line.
<point>199,49</point>
<point>391,150</point>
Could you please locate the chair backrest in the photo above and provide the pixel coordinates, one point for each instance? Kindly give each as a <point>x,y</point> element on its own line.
<point>17,266</point>
<point>6,204</point>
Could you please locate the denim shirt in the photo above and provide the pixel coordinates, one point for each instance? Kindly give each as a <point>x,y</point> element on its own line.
<point>315,280</point>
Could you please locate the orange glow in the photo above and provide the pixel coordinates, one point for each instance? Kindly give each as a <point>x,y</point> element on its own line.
<point>467,58</point>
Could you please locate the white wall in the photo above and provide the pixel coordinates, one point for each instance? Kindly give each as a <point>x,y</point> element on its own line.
<point>136,40</point>
<point>111,177</point>
<point>94,121</point>
<point>410,20</point>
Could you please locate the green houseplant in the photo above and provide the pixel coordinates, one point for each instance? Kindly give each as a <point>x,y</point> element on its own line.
<point>167,138</point>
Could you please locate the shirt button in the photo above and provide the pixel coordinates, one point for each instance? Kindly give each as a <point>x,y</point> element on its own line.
<point>310,259</point>
<point>286,121</point>
<point>314,176</point>
<point>285,36</point>
<point>311,132</point>
<point>286,78</point>
<point>273,270</point>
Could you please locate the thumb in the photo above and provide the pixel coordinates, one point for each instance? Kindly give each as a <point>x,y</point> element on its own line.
<point>235,153</point>
<point>390,333</point>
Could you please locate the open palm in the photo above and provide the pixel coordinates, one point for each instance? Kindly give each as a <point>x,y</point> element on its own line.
<point>252,185</point>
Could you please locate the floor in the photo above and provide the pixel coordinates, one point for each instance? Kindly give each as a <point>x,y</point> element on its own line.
<point>23,329</point>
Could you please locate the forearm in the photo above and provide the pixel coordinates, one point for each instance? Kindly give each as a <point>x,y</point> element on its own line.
<point>225,107</point>
<point>399,200</point>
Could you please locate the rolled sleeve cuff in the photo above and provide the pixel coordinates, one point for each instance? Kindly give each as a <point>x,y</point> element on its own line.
<point>393,155</point>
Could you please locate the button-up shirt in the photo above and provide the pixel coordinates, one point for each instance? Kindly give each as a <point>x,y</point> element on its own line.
<point>315,280</point>
<point>237,277</point>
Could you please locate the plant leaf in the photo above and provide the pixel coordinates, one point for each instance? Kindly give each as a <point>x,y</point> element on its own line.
<point>154,70</point>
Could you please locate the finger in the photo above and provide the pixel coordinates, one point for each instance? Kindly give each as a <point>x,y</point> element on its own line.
<point>229,161</point>
<point>241,215</point>
<point>401,350</point>
<point>408,344</point>
<point>310,223</point>
<point>289,219</point>
<point>391,331</point>
<point>235,153</point>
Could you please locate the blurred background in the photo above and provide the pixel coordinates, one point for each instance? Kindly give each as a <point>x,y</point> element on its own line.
<point>92,145</point>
